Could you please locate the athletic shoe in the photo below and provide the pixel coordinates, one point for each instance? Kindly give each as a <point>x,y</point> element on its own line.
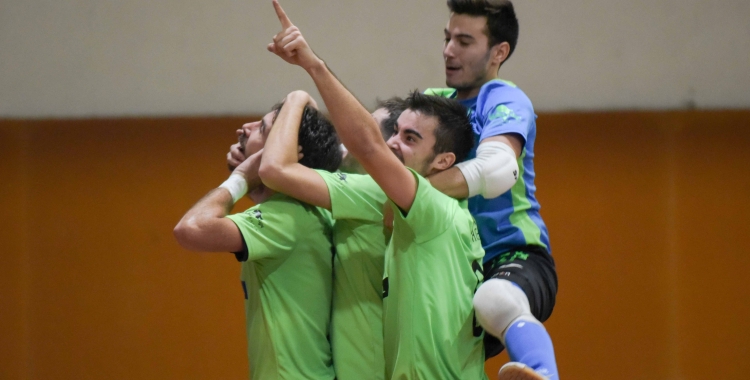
<point>518,371</point>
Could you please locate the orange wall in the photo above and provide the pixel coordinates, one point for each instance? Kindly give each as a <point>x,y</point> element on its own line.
<point>647,213</point>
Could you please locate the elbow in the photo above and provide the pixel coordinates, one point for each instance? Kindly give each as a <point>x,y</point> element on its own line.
<point>185,233</point>
<point>266,169</point>
<point>271,174</point>
<point>276,176</point>
<point>498,189</point>
<point>500,182</point>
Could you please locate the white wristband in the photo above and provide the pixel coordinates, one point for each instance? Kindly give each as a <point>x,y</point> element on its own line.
<point>236,185</point>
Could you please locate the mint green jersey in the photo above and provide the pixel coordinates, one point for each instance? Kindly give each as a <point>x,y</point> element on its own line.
<point>432,268</point>
<point>287,281</point>
<point>360,240</point>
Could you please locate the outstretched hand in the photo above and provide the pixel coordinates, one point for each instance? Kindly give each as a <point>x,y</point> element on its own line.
<point>289,44</point>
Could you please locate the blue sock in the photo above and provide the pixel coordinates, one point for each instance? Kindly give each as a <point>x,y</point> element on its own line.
<point>530,344</point>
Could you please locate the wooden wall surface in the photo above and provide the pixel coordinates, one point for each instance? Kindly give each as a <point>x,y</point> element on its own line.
<point>648,215</point>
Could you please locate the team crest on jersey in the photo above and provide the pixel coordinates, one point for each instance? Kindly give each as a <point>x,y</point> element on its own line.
<point>504,113</point>
<point>259,216</point>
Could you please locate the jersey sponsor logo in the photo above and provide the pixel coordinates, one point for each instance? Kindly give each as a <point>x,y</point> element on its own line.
<point>504,113</point>
<point>515,175</point>
<point>342,177</point>
<point>474,231</point>
<point>512,256</point>
<point>500,275</point>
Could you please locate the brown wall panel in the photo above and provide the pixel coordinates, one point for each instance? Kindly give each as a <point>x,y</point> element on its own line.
<point>14,296</point>
<point>647,212</point>
<point>601,188</point>
<point>712,217</point>
<point>111,293</point>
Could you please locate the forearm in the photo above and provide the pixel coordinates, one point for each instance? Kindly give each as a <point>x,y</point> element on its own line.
<point>280,169</point>
<point>217,203</point>
<point>280,151</point>
<point>355,126</point>
<point>450,182</point>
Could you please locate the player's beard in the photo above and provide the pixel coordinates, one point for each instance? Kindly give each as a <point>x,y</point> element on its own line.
<point>477,73</point>
<point>425,165</point>
<point>243,143</point>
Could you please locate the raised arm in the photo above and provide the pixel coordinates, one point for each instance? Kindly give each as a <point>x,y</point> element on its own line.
<point>280,169</point>
<point>204,227</point>
<point>355,126</point>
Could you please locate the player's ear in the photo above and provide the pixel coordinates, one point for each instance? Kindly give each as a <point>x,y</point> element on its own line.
<point>499,53</point>
<point>443,161</point>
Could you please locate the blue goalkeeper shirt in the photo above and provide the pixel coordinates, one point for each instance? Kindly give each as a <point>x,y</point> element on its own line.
<point>512,219</point>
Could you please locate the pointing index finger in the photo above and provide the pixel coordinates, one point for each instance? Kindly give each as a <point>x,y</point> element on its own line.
<point>285,22</point>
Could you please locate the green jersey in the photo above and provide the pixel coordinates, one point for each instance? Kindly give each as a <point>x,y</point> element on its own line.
<point>360,240</point>
<point>432,268</point>
<point>286,278</point>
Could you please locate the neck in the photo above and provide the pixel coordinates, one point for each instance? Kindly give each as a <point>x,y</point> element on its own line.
<point>467,93</point>
<point>473,91</point>
<point>429,171</point>
<point>260,194</point>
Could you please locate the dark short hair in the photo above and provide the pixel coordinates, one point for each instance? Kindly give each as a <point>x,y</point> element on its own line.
<point>502,24</point>
<point>453,133</point>
<point>318,139</point>
<point>394,106</point>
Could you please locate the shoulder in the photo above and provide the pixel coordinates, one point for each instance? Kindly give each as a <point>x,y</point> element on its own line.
<point>429,196</point>
<point>341,181</point>
<point>502,91</point>
<point>283,207</point>
<point>443,92</point>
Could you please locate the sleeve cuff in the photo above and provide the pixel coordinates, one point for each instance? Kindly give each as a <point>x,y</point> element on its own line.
<point>243,254</point>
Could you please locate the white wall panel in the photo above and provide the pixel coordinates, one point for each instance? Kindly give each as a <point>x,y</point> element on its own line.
<point>76,58</point>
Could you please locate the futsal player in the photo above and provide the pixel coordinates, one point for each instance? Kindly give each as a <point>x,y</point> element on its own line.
<point>359,237</point>
<point>520,278</point>
<point>360,241</point>
<point>432,263</point>
<point>286,252</point>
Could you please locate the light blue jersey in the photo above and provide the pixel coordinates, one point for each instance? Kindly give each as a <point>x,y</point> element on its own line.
<point>512,219</point>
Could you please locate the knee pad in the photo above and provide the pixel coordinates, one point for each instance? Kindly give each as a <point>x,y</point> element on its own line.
<point>498,303</point>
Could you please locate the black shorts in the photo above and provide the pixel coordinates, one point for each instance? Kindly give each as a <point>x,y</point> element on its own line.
<point>533,270</point>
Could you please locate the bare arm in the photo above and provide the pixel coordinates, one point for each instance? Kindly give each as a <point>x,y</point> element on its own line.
<point>354,124</point>
<point>280,169</point>
<point>205,227</point>
<point>452,183</point>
